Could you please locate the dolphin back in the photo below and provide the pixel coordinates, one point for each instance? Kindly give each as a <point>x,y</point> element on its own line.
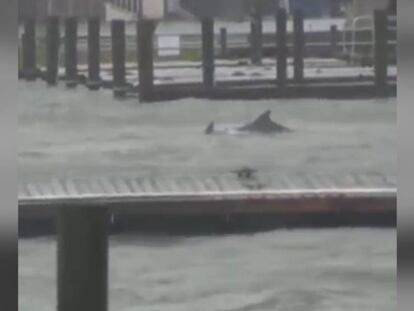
<point>263,124</point>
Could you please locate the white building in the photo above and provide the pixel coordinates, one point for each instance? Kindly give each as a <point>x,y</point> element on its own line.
<point>61,8</point>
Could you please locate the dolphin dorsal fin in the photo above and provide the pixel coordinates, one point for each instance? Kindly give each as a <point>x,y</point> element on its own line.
<point>210,128</point>
<point>263,118</point>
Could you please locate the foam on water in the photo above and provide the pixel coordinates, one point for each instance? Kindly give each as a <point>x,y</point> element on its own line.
<point>82,133</point>
<point>298,270</point>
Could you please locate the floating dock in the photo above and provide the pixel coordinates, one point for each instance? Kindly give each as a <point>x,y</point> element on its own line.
<point>216,204</point>
<point>335,89</point>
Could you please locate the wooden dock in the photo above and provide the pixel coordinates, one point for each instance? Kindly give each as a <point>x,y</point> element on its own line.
<point>285,44</point>
<point>214,204</point>
<point>234,90</point>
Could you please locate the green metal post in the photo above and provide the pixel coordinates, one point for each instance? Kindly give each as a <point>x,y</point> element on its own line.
<point>82,259</point>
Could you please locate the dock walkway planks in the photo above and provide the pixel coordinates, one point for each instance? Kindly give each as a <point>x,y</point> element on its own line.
<point>214,204</point>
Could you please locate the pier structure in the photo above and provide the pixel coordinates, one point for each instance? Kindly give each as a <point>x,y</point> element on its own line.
<point>211,46</point>
<point>84,212</point>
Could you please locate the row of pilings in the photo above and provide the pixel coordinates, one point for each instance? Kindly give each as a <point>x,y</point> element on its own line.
<point>145,54</point>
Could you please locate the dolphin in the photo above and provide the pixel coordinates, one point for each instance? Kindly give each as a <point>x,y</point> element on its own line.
<point>262,124</point>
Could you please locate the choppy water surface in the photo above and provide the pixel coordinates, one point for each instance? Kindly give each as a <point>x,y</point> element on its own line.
<point>82,133</point>
<point>341,270</point>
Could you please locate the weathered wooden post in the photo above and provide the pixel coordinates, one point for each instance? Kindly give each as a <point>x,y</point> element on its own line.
<point>281,47</point>
<point>94,80</point>
<point>207,33</point>
<point>29,69</point>
<point>223,42</point>
<point>145,31</point>
<point>256,37</point>
<point>52,49</point>
<point>82,258</point>
<point>118,57</point>
<point>19,61</point>
<point>334,40</point>
<point>380,52</point>
<point>298,45</point>
<point>71,39</point>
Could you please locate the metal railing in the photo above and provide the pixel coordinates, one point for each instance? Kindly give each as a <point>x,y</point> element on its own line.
<point>350,47</point>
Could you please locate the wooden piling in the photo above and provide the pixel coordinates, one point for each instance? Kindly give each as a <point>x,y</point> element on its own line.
<point>19,60</point>
<point>82,259</point>
<point>380,51</point>
<point>256,38</point>
<point>118,57</point>
<point>298,45</point>
<point>335,8</point>
<point>145,42</point>
<point>52,49</point>
<point>223,42</point>
<point>281,65</point>
<point>71,39</point>
<point>334,40</point>
<point>207,32</point>
<point>29,68</point>
<point>94,80</point>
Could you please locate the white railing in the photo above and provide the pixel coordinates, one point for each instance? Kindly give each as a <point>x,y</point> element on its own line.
<point>349,47</point>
